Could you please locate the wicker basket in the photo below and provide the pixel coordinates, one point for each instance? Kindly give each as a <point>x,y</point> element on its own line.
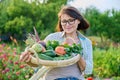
<point>48,64</point>
<point>60,63</point>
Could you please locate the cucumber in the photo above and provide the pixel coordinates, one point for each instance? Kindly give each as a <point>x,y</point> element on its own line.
<point>61,58</point>
<point>58,58</point>
<point>45,57</point>
<point>50,53</point>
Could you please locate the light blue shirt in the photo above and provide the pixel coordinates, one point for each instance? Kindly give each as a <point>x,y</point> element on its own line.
<point>72,70</point>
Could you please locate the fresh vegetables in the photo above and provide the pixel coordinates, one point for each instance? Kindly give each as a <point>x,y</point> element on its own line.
<point>60,50</point>
<point>63,57</point>
<point>30,40</point>
<point>37,47</point>
<point>45,57</point>
<point>52,44</point>
<point>42,43</point>
<point>53,50</point>
<point>50,53</point>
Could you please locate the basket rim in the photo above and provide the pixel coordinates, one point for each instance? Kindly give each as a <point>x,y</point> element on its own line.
<point>59,63</point>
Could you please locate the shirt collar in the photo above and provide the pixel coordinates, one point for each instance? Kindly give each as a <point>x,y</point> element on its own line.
<point>79,35</point>
<point>63,34</point>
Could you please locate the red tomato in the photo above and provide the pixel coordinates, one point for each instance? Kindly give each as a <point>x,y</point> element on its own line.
<point>89,78</point>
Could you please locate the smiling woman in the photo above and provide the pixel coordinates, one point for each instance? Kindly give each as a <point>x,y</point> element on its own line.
<point>70,21</point>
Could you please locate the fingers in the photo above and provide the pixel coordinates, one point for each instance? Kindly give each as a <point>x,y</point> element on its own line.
<point>28,59</point>
<point>25,57</point>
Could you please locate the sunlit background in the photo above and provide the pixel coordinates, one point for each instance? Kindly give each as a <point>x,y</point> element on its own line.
<point>102,5</point>
<point>18,17</point>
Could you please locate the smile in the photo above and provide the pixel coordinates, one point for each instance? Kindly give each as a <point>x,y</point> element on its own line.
<point>69,28</point>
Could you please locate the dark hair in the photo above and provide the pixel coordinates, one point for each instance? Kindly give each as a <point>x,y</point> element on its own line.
<point>72,12</point>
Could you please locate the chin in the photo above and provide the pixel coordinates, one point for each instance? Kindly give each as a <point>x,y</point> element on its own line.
<point>68,31</point>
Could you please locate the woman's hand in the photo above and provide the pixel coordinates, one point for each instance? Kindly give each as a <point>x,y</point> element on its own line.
<point>82,64</point>
<point>28,58</point>
<point>25,56</point>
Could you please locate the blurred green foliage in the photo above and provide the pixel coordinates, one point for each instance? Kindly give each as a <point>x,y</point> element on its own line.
<point>105,25</point>
<point>107,62</point>
<point>18,17</point>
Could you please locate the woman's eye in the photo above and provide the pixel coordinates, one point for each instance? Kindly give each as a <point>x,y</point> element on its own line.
<point>64,21</point>
<point>71,20</point>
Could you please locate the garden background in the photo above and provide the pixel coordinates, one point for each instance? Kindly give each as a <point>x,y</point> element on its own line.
<point>18,17</point>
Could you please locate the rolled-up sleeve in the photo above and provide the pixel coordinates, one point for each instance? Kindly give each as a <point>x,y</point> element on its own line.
<point>88,56</point>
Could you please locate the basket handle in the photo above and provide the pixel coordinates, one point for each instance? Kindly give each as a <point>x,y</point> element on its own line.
<point>35,53</point>
<point>40,73</point>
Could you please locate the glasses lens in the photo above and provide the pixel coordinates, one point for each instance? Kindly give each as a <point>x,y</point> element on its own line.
<point>70,21</point>
<point>64,22</point>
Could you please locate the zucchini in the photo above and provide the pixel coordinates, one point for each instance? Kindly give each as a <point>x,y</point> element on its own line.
<point>58,58</point>
<point>50,53</point>
<point>45,57</point>
<point>62,58</point>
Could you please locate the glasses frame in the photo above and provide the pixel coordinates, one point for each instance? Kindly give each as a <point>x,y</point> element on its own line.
<point>70,22</point>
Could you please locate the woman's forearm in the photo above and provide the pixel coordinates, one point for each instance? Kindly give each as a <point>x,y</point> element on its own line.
<point>82,64</point>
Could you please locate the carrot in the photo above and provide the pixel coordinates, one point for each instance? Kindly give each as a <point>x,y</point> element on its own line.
<point>60,50</point>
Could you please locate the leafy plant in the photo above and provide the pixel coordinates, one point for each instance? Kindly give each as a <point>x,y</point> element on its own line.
<point>107,62</point>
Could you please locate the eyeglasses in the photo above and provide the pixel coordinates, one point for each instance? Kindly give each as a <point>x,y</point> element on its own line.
<point>70,22</point>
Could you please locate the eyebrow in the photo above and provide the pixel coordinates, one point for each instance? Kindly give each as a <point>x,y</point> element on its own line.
<point>68,19</point>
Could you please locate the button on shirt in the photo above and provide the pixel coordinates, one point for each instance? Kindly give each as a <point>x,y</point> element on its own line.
<point>72,70</point>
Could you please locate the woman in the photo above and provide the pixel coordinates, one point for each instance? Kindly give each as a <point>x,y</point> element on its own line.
<point>70,21</point>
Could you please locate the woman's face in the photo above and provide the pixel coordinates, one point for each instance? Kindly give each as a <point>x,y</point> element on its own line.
<point>69,24</point>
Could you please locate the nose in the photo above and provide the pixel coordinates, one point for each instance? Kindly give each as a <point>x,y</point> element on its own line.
<point>67,24</point>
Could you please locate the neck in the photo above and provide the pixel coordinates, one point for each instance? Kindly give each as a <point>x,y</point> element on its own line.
<point>72,35</point>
